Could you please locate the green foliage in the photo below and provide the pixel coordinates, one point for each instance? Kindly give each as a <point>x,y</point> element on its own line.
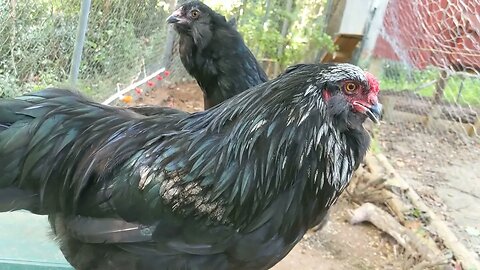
<point>122,37</point>
<point>104,51</point>
<point>259,34</point>
<point>125,38</point>
<point>35,49</point>
<point>262,30</point>
<point>306,37</point>
<point>7,85</point>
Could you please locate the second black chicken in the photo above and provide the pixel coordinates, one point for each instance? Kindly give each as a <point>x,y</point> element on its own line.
<point>214,53</point>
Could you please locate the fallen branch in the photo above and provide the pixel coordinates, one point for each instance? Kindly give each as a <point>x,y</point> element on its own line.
<point>449,239</point>
<point>385,222</point>
<point>395,205</point>
<point>389,191</point>
<point>368,185</point>
<point>373,165</point>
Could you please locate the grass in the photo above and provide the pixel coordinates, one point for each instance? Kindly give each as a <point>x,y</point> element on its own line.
<point>402,79</point>
<point>375,145</point>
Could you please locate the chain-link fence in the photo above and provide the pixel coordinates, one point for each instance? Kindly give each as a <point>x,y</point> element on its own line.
<point>125,41</point>
<point>428,52</point>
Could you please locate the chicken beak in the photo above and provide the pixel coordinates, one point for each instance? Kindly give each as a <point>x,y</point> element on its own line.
<point>373,112</point>
<point>175,17</point>
<point>172,19</point>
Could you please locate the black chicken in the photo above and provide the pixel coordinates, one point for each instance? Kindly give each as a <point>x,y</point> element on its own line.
<point>233,187</point>
<point>214,53</point>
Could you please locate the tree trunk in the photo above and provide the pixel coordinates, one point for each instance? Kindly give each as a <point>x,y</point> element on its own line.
<point>268,7</point>
<point>284,32</point>
<point>267,11</point>
<point>240,11</point>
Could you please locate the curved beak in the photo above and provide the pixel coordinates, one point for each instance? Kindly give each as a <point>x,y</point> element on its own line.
<point>172,19</point>
<point>374,111</point>
<point>176,17</point>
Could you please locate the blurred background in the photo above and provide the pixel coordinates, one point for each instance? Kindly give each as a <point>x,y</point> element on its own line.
<point>426,54</point>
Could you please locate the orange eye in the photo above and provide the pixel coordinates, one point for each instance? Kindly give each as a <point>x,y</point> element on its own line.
<point>194,13</point>
<point>350,88</point>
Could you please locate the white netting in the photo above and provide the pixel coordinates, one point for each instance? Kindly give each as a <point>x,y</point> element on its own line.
<point>428,59</point>
<point>431,62</point>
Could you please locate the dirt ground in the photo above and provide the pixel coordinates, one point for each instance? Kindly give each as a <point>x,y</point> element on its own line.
<point>444,168</point>
<point>338,245</point>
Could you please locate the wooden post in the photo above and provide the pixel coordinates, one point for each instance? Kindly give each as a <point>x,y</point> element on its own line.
<point>440,86</point>
<point>388,103</point>
<point>460,89</point>
<point>437,98</point>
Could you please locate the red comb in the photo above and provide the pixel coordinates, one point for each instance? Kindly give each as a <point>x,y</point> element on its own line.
<point>373,82</point>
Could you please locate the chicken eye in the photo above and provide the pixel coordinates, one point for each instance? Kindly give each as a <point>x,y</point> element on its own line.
<point>350,88</point>
<point>194,13</point>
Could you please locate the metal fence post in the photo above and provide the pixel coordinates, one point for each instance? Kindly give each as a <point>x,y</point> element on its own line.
<point>79,42</point>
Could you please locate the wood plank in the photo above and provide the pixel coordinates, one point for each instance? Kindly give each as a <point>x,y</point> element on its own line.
<point>346,43</point>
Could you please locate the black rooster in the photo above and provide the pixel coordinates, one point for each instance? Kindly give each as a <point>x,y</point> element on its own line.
<point>233,187</point>
<point>214,53</point>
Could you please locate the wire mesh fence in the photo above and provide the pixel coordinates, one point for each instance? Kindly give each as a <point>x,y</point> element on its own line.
<point>124,43</point>
<point>429,53</point>
<point>427,56</point>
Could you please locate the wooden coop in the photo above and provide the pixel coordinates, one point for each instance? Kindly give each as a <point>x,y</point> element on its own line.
<point>347,23</point>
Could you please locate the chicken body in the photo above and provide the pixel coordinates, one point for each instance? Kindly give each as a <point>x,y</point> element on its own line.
<point>233,187</point>
<point>214,53</point>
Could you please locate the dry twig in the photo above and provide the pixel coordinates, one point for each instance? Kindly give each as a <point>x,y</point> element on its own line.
<point>385,222</point>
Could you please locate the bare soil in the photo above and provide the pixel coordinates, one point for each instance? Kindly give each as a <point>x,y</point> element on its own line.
<point>444,168</point>
<point>338,245</point>
<point>187,97</point>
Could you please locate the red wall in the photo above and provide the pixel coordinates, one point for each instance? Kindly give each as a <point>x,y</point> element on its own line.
<point>432,32</point>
